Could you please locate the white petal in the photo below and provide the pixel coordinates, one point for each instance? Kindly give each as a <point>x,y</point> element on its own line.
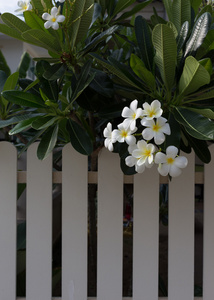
<point>160,158</point>
<point>159,138</point>
<point>60,18</point>
<point>130,161</point>
<point>166,129</point>
<point>126,112</point>
<point>131,148</point>
<point>147,123</point>
<point>130,140</point>
<point>163,169</point>
<point>148,134</point>
<point>181,161</point>
<point>48,24</point>
<point>54,11</point>
<point>140,169</point>
<point>46,16</point>
<point>110,147</point>
<point>134,104</point>
<point>55,26</point>
<point>132,125</point>
<point>139,113</point>
<point>172,151</point>
<point>174,171</point>
<point>141,144</point>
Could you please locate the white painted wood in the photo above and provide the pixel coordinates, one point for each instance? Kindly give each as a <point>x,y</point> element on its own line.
<point>181,234</point>
<point>110,227</point>
<point>8,192</point>
<point>74,224</point>
<point>208,264</point>
<point>145,235</point>
<point>39,226</point>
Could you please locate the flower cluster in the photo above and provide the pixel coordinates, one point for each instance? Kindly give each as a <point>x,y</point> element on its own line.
<point>52,20</point>
<point>142,153</point>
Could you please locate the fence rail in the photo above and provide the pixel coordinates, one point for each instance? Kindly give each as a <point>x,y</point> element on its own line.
<point>74,179</point>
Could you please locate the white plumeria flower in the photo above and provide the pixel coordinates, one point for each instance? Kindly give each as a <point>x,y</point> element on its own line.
<point>155,130</point>
<point>170,163</point>
<point>152,111</point>
<point>131,114</point>
<point>124,134</point>
<point>108,135</point>
<point>144,153</point>
<point>53,19</point>
<point>61,1</point>
<point>24,5</point>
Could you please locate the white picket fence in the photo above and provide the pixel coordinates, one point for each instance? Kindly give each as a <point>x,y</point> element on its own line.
<point>75,178</point>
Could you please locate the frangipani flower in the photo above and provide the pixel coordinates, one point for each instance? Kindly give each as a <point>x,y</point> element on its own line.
<point>155,130</point>
<point>124,134</point>
<point>152,111</point>
<point>131,114</point>
<point>61,1</point>
<point>53,19</point>
<point>131,161</point>
<point>170,163</point>
<point>108,135</point>
<point>144,153</point>
<point>24,5</point>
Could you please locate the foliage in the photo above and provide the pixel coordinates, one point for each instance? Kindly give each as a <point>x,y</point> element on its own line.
<point>100,59</point>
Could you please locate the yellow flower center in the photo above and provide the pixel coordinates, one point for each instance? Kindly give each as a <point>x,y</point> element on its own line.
<point>124,133</point>
<point>151,113</point>
<point>147,153</point>
<point>156,127</point>
<point>134,116</point>
<point>53,19</point>
<point>170,160</point>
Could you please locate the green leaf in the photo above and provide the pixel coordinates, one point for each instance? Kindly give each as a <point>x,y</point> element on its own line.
<point>196,125</point>
<point>168,7</point>
<point>47,142</point>
<point>140,70</point>
<point>43,122</point>
<point>195,5</point>
<point>21,126</point>
<point>201,149</point>
<point>206,112</point>
<point>11,32</point>
<point>34,21</point>
<point>3,64</point>
<point>24,99</point>
<point>24,65</point>
<point>207,45</point>
<point>193,77</point>
<point>198,34</point>
<point>14,22</point>
<point>10,84</point>
<point>182,36</point>
<point>117,69</point>
<point>16,119</point>
<point>121,5</point>
<point>131,12</point>
<point>3,79</point>
<point>80,18</point>
<point>99,38</point>
<point>55,72</point>
<point>144,40</point>
<point>80,139</point>
<point>181,12</point>
<point>207,64</point>
<point>166,53</point>
<point>42,39</point>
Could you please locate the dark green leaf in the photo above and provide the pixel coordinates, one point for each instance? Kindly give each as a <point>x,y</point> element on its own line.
<point>43,122</point>
<point>195,124</point>
<point>16,119</point>
<point>182,36</point>
<point>3,64</point>
<point>47,142</point>
<point>80,139</point>
<point>181,12</point>
<point>3,78</point>
<point>201,149</point>
<point>24,99</point>
<point>21,126</point>
<point>55,72</point>
<point>144,40</point>
<point>24,65</point>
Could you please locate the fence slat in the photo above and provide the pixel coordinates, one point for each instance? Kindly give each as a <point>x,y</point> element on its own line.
<point>181,234</point>
<point>74,224</point>
<point>145,235</point>
<point>208,265</point>
<point>110,227</point>
<point>39,226</point>
<point>8,190</point>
